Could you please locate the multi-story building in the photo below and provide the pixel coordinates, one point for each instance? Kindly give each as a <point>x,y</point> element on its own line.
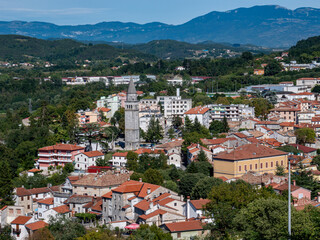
<point>233,112</point>
<point>177,80</point>
<point>174,105</point>
<point>119,159</point>
<point>288,114</point>
<point>88,116</point>
<point>310,82</point>
<point>57,155</point>
<point>149,105</point>
<point>249,157</point>
<point>201,113</point>
<point>86,159</point>
<point>112,102</point>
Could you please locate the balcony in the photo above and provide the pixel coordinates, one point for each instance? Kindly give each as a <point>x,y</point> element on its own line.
<point>16,231</point>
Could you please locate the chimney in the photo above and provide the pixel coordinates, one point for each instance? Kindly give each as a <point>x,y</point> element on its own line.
<point>294,182</point>
<point>271,180</point>
<point>140,179</point>
<point>148,190</point>
<point>188,207</point>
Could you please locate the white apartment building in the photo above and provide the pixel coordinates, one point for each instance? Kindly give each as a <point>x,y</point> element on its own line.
<point>177,80</point>
<point>119,159</point>
<point>86,159</point>
<point>112,102</point>
<point>201,113</point>
<point>310,82</point>
<point>233,112</point>
<point>174,105</point>
<point>145,119</point>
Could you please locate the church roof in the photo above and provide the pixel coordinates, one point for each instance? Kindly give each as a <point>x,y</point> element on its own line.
<point>132,89</point>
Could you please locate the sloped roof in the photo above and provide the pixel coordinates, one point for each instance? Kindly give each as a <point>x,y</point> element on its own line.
<point>154,213</point>
<point>143,205</point>
<point>197,110</point>
<point>36,225</point>
<point>198,204</point>
<point>21,220</point>
<point>120,154</point>
<point>60,146</point>
<point>131,88</point>
<point>304,149</point>
<point>249,151</point>
<point>93,154</point>
<point>62,209</point>
<point>47,201</point>
<point>184,226</point>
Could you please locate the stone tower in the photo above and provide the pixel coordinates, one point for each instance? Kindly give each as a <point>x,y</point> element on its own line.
<point>132,128</point>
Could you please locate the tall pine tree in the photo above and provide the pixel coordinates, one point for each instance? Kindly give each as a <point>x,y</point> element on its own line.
<point>6,186</point>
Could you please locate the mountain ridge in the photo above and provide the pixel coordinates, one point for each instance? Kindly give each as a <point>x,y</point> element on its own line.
<point>266,25</point>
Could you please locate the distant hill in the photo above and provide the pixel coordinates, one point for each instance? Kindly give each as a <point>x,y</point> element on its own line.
<point>306,50</point>
<point>269,25</point>
<point>15,47</point>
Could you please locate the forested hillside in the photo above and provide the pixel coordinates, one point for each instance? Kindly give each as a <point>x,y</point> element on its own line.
<point>306,50</point>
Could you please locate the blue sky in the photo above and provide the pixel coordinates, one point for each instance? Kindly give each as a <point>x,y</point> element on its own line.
<point>140,11</point>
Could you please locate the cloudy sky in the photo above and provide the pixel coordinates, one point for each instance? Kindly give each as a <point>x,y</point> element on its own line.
<point>75,12</point>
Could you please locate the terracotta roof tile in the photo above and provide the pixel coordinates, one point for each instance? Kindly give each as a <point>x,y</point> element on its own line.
<point>93,154</point>
<point>198,204</point>
<point>47,201</point>
<point>108,195</point>
<point>249,151</point>
<point>154,213</point>
<point>36,225</point>
<point>21,220</point>
<point>60,146</point>
<point>184,226</point>
<point>143,205</point>
<point>62,209</point>
<point>304,149</point>
<point>197,110</point>
<point>120,154</point>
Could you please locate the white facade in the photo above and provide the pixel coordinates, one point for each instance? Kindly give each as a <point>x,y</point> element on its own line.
<point>310,82</point>
<point>175,81</point>
<point>85,160</point>
<point>174,159</point>
<point>203,115</point>
<point>145,120</point>
<point>118,161</point>
<point>233,112</point>
<point>112,102</point>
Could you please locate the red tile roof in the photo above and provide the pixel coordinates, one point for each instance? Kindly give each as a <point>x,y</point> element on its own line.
<point>108,195</point>
<point>143,205</point>
<point>27,192</point>
<point>240,135</point>
<point>93,154</point>
<point>97,206</point>
<point>217,141</point>
<point>21,220</point>
<point>60,146</point>
<point>62,209</point>
<point>249,151</point>
<point>34,170</point>
<point>184,226</point>
<point>287,124</point>
<point>149,151</point>
<point>36,225</point>
<point>120,154</point>
<point>198,204</point>
<point>154,213</point>
<point>304,149</point>
<point>197,110</point>
<point>103,109</point>
<point>47,201</point>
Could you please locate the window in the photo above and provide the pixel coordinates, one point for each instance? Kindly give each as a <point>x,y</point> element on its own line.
<point>261,165</point>
<point>175,204</point>
<point>245,167</point>
<point>178,235</point>
<point>85,187</point>
<point>239,168</point>
<point>277,163</point>
<point>250,166</point>
<point>300,195</point>
<point>281,162</point>
<point>266,165</point>
<point>271,164</point>
<point>28,206</point>
<point>21,198</point>
<point>256,166</point>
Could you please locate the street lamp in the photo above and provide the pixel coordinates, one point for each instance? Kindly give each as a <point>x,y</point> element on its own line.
<point>289,199</point>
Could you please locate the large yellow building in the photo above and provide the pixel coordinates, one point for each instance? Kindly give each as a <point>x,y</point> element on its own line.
<point>250,157</point>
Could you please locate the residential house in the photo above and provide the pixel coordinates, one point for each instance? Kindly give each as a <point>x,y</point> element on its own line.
<point>57,155</point>
<point>176,81</point>
<point>9,213</point>
<point>249,157</point>
<point>202,114</point>
<point>99,184</point>
<point>194,208</point>
<point>119,159</point>
<point>43,206</point>
<point>88,116</point>
<point>286,113</point>
<point>173,151</point>
<point>186,229</point>
<point>307,151</point>
<point>67,186</point>
<point>35,226</point>
<point>233,112</point>
<point>18,227</point>
<point>86,159</point>
<point>194,150</point>
<point>296,191</point>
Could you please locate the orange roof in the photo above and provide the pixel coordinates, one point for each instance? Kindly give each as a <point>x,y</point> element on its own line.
<point>21,220</point>
<point>303,93</point>
<point>217,141</point>
<point>223,178</point>
<point>184,226</point>
<point>36,225</point>
<point>97,206</point>
<point>198,204</point>
<point>240,135</point>
<point>47,201</point>
<point>143,205</point>
<point>108,195</point>
<point>143,192</point>
<point>154,213</point>
<point>93,154</point>
<point>148,150</point>
<point>162,196</point>
<point>103,109</point>
<point>34,170</point>
<point>287,124</point>
<point>62,209</point>
<point>60,146</point>
<point>120,154</point>
<point>249,151</point>
<point>197,110</point>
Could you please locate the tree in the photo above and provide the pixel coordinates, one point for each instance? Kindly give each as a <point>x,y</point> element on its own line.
<point>272,68</point>
<point>261,107</point>
<point>202,157</point>
<point>153,176</point>
<point>91,131</point>
<point>150,232</point>
<point>174,173</point>
<point>267,219</point>
<point>154,132</point>
<point>216,127</point>
<point>225,124</point>
<point>132,160</point>
<point>187,183</point>
<point>68,167</point>
<point>247,56</point>
<point>43,233</point>
<point>63,228</point>
<point>177,122</point>
<point>188,126</point>
<point>204,186</point>
<point>5,233</point>
<point>316,161</point>
<point>280,171</point>
<point>6,188</point>
<point>102,162</point>
<point>171,133</point>
<point>289,149</point>
<point>196,125</point>
<point>305,135</point>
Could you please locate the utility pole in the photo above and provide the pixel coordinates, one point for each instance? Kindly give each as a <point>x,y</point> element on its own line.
<point>289,200</point>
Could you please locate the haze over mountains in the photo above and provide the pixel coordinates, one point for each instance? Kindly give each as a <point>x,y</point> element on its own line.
<point>271,26</point>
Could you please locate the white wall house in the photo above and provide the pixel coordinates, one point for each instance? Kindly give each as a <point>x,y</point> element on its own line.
<point>201,113</point>
<point>119,159</point>
<point>86,159</point>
